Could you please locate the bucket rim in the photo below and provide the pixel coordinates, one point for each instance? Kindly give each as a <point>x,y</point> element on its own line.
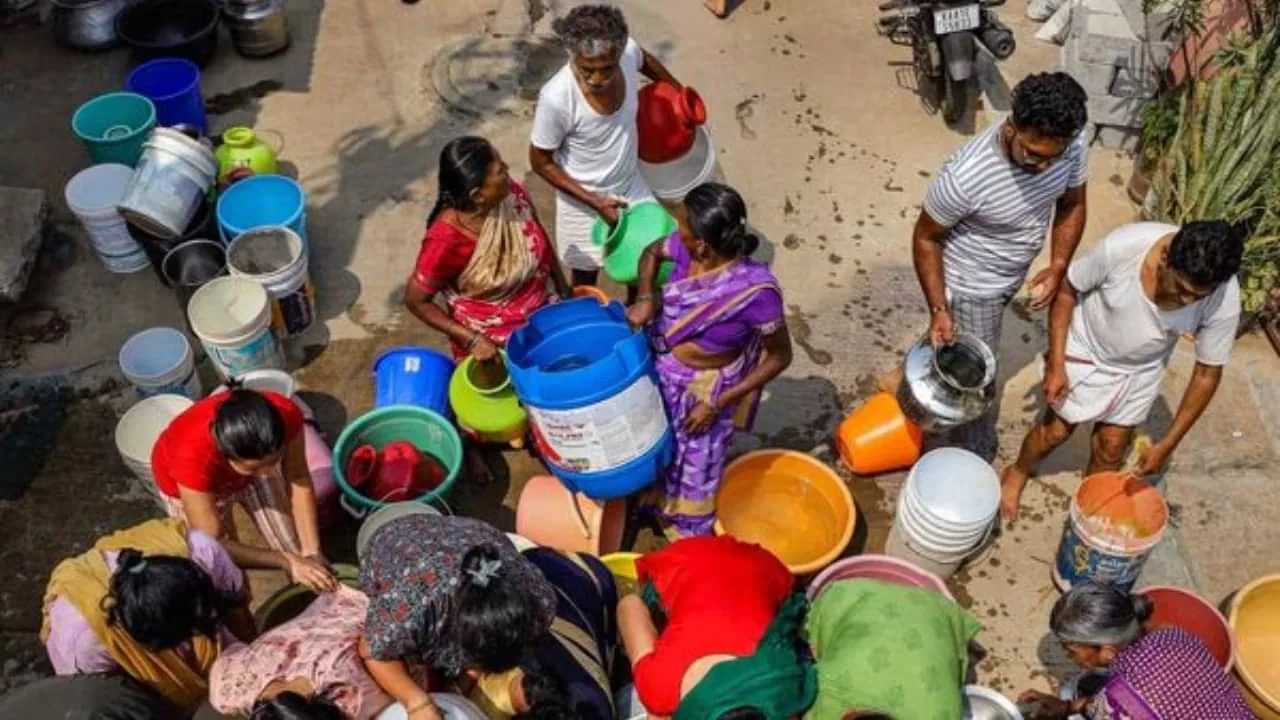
<point>824,579</point>
<point>146,126</point>
<point>465,366</point>
<point>345,440</point>
<point>410,348</point>
<point>109,171</point>
<point>704,173</point>
<point>261,322</point>
<point>1270,696</point>
<point>959,551</point>
<point>178,404</point>
<point>139,337</point>
<point>246,186</point>
<point>922,515</point>
<point>921,508</point>
<point>151,65</point>
<point>296,266</point>
<point>122,21</point>
<point>1231,635</point>
<point>185,150</point>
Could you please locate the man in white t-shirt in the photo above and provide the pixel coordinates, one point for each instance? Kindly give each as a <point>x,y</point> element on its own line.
<point>584,141</point>
<point>987,214</point>
<point>1112,329</point>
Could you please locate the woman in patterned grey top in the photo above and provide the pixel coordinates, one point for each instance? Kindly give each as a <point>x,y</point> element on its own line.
<point>450,593</point>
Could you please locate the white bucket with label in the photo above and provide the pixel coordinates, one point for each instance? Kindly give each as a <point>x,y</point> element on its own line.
<point>159,361</point>
<point>232,318</point>
<point>276,257</point>
<point>92,194</point>
<point>173,178</point>
<point>138,431</point>
<point>946,510</point>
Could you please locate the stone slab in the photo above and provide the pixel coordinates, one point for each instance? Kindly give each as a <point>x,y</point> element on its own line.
<point>1116,111</point>
<point>1117,138</point>
<point>23,212</point>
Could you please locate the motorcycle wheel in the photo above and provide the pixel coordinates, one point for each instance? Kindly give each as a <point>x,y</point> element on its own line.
<point>955,98</point>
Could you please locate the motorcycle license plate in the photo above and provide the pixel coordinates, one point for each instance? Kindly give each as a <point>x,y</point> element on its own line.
<point>956,19</point>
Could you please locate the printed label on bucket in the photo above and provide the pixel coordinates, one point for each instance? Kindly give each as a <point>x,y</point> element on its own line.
<point>1078,562</point>
<point>294,312</point>
<point>604,435</point>
<point>259,353</point>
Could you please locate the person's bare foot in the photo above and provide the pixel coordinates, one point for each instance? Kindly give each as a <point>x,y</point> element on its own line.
<point>1012,480</point>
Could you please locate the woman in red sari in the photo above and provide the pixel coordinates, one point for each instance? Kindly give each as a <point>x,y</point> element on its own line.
<point>485,253</point>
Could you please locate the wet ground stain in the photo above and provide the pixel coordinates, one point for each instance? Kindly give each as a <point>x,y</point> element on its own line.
<point>223,103</point>
<point>801,333</point>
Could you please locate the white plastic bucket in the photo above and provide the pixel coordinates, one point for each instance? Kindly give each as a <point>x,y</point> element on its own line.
<point>672,180</point>
<point>276,381</point>
<point>276,257</point>
<point>92,194</point>
<point>173,177</point>
<point>946,510</point>
<point>159,361</point>
<point>232,318</point>
<point>138,430</point>
<point>452,707</point>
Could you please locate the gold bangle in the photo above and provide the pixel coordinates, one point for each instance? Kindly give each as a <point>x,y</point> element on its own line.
<point>419,706</point>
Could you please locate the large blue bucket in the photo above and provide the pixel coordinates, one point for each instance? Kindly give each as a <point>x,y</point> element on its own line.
<point>173,85</point>
<point>413,376</point>
<point>588,382</point>
<point>259,201</point>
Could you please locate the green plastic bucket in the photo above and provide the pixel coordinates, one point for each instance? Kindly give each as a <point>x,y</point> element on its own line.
<point>114,126</point>
<point>638,227</point>
<point>426,429</point>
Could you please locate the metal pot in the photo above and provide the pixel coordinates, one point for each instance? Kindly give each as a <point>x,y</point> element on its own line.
<point>258,27</point>
<point>86,24</point>
<point>950,386</point>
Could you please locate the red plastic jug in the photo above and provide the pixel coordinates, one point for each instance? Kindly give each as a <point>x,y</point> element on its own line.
<point>362,466</point>
<point>668,120</point>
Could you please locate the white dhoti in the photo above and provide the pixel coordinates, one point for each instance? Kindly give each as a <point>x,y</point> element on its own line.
<point>1115,397</point>
<point>574,221</point>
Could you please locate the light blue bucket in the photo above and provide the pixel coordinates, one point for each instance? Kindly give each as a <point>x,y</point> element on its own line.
<point>259,201</point>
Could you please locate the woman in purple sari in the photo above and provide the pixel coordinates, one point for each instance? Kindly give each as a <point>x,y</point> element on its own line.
<point>720,334</point>
<point>1152,674</point>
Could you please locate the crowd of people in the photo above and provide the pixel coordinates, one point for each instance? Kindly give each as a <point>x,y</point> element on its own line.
<point>153,620</point>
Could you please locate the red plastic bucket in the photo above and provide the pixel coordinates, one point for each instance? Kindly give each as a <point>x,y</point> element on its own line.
<point>878,567</point>
<point>1176,607</point>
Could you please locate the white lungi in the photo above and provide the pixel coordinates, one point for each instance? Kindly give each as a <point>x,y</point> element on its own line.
<point>1097,394</point>
<point>574,221</point>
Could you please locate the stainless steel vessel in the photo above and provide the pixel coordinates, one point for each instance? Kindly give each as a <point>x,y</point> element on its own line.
<point>258,27</point>
<point>86,24</point>
<point>950,386</point>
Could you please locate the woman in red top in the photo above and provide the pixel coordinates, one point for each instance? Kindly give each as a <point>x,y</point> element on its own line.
<point>716,632</point>
<point>245,447</point>
<point>485,251</point>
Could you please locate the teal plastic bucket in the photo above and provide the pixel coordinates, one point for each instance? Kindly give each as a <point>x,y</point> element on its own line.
<point>114,126</point>
<point>429,431</point>
<point>638,227</point>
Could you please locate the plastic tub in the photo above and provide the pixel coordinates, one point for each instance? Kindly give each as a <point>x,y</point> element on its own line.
<point>173,85</point>
<point>791,504</point>
<point>1116,520</point>
<point>173,178</point>
<point>232,318</point>
<point>192,264</point>
<point>427,430</point>
<point>170,28</point>
<point>159,361</point>
<point>877,567</point>
<point>551,516</point>
<point>114,126</point>
<point>137,432</point>
<point>1255,618</point>
<point>1180,608</point>
<point>411,375</point>
<point>259,201</point>
<point>92,194</point>
<point>277,258</point>
<point>588,383</point>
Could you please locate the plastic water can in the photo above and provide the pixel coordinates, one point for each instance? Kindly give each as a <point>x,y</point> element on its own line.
<point>588,383</point>
<point>489,412</point>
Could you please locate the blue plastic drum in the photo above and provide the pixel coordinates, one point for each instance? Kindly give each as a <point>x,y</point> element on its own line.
<point>412,375</point>
<point>588,382</point>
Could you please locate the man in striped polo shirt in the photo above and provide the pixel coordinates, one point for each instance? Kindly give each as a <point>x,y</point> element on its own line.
<point>986,215</point>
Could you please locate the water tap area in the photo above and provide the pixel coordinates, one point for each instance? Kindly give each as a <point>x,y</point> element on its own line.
<point>812,117</point>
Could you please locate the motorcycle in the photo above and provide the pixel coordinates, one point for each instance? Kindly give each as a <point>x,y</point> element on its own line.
<point>943,37</point>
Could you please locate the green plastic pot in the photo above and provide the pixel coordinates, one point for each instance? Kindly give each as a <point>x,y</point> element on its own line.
<point>426,429</point>
<point>638,227</point>
<point>492,414</point>
<point>242,148</point>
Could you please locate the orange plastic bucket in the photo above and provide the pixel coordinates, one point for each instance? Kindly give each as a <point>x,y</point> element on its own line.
<point>878,437</point>
<point>1255,618</point>
<point>591,291</point>
<point>549,515</point>
<point>1116,519</point>
<point>789,503</point>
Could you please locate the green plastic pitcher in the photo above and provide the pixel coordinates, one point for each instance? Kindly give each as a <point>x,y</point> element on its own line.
<point>487,407</point>
<point>638,227</point>
<point>242,148</point>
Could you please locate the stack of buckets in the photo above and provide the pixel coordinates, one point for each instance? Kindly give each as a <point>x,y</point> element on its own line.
<point>946,511</point>
<point>93,195</point>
